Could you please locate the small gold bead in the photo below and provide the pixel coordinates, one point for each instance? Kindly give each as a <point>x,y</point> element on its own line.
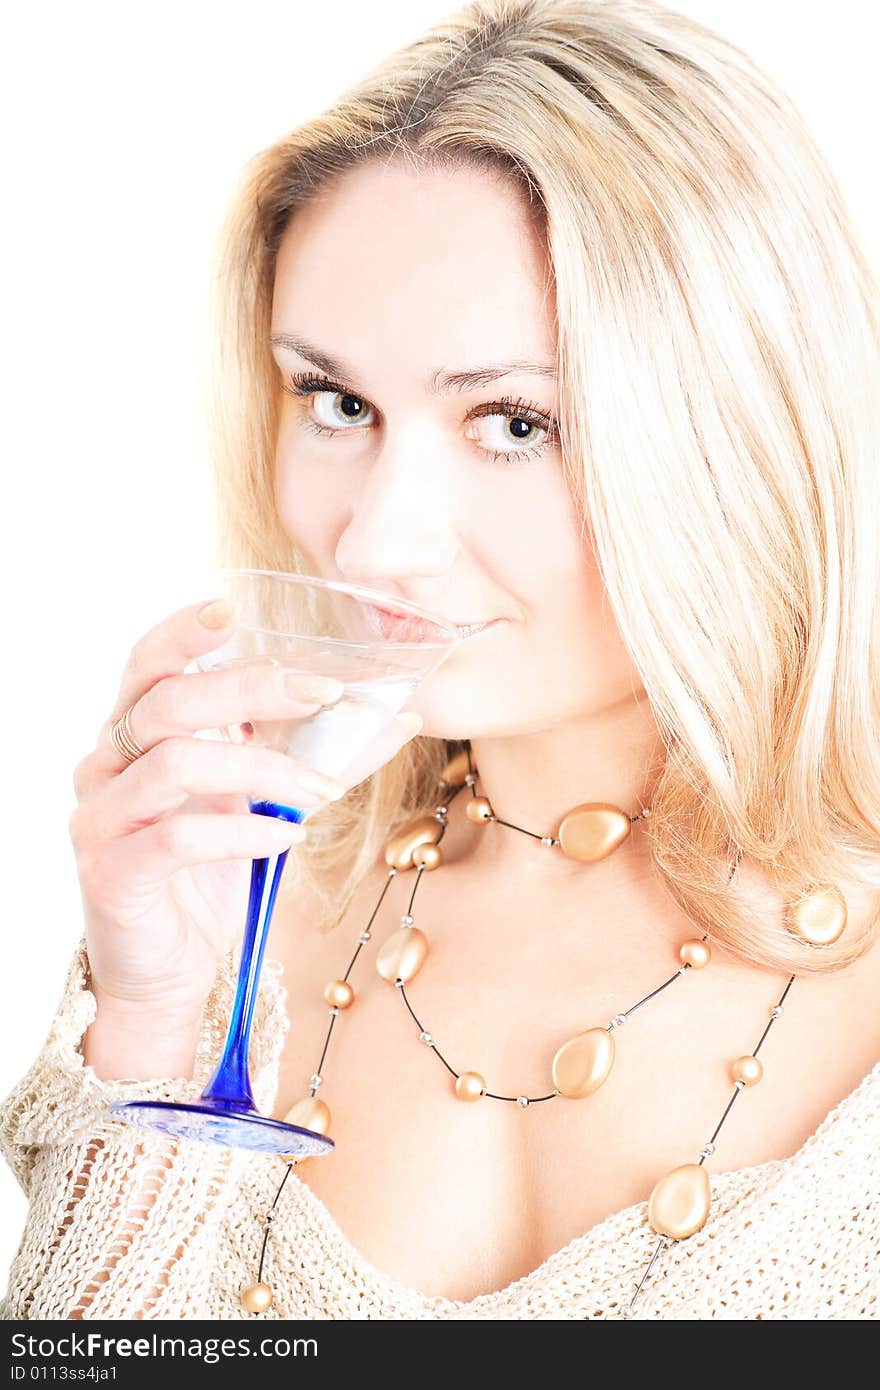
<point>479,809</point>
<point>428,856</point>
<point>696,954</point>
<point>257,1298</point>
<point>338,994</point>
<point>469,1085</point>
<point>747,1070</point>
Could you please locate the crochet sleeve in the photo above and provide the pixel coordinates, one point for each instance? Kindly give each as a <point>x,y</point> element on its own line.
<point>121,1221</point>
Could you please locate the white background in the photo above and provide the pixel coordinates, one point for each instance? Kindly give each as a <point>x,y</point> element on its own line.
<point>124,129</point>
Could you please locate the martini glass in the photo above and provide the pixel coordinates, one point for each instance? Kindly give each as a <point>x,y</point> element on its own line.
<point>381,648</point>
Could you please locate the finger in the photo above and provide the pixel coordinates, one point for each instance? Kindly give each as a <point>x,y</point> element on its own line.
<point>158,784</point>
<point>251,691</point>
<point>170,646</point>
<point>389,741</point>
<point>154,853</point>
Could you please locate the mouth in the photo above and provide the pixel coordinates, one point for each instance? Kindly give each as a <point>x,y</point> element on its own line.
<point>470,629</point>
<point>402,627</point>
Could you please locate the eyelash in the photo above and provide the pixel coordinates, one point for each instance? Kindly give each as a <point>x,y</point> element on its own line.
<point>306,384</point>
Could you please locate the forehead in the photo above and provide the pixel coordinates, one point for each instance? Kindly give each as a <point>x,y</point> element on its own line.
<point>392,259</point>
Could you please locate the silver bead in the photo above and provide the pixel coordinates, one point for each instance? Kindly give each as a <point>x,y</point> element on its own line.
<point>470,779</point>
<point>547,840</point>
<point>364,937</point>
<point>269,1217</point>
<point>407,919</point>
<point>441,813</point>
<point>616,1022</point>
<point>315,1080</point>
<point>398,984</point>
<point>426,1038</point>
<point>739,1085</point>
<point>334,1010</point>
<point>707,1150</point>
<point>522,1100</point>
<point>777,1012</point>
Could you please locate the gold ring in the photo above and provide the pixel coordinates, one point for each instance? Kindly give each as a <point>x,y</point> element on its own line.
<point>123,739</point>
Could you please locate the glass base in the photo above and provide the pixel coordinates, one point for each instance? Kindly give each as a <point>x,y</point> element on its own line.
<point>215,1124</point>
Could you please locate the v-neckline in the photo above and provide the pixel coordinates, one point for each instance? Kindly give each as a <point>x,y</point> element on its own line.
<point>728,1188</point>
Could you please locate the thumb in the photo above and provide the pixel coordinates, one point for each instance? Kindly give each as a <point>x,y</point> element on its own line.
<point>387,742</point>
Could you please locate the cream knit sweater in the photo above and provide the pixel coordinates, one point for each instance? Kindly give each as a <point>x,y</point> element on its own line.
<point>124,1223</point>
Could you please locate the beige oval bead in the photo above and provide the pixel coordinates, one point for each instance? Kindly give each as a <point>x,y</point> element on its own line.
<point>819,918</point>
<point>309,1113</point>
<point>424,831</point>
<point>748,1070</point>
<point>402,954</point>
<point>479,810</point>
<point>427,856</point>
<point>695,953</point>
<point>469,1085</point>
<point>456,769</point>
<point>592,831</point>
<point>679,1204</point>
<point>338,994</point>
<point>257,1298</point>
<point>582,1064</point>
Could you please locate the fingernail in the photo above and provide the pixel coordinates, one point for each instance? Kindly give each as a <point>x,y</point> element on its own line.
<point>410,721</point>
<point>323,785</point>
<point>325,689</point>
<point>216,614</point>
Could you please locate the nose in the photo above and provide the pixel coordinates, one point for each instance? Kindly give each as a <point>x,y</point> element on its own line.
<point>401,524</point>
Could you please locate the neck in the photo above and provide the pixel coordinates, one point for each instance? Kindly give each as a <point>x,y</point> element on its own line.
<point>531,780</point>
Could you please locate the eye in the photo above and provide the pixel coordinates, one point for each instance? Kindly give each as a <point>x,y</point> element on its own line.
<point>334,406</point>
<point>516,423</point>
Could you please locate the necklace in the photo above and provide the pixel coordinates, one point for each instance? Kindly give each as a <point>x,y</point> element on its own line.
<point>679,1203</point>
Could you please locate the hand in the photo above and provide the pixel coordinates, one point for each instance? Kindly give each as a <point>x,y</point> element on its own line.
<point>164,844</point>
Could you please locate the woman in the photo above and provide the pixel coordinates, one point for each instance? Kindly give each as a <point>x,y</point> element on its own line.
<point>555,323</point>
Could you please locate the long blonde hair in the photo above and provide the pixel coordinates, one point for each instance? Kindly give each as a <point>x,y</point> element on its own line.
<point>719,366</point>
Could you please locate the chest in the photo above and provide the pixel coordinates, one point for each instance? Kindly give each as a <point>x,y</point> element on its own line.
<point>457,1198</point>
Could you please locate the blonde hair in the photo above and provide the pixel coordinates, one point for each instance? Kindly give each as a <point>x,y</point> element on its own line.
<point>719,364</point>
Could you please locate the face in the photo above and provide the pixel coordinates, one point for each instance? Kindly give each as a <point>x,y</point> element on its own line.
<point>397,470</point>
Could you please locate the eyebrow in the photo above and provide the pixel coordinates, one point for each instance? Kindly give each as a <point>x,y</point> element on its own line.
<point>438,383</point>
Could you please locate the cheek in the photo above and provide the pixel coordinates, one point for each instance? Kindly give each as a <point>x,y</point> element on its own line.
<point>568,629</point>
<point>534,542</point>
<point>309,511</point>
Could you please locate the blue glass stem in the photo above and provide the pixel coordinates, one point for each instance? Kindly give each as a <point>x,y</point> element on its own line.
<point>230,1086</point>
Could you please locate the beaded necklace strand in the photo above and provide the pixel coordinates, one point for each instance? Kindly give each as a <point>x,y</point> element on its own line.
<point>679,1203</point>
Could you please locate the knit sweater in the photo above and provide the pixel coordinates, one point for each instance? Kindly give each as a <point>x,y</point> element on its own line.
<point>126,1223</point>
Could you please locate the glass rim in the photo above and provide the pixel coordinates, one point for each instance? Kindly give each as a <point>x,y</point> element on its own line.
<point>342,586</point>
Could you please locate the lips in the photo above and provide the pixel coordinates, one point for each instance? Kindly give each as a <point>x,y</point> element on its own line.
<point>403,627</point>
